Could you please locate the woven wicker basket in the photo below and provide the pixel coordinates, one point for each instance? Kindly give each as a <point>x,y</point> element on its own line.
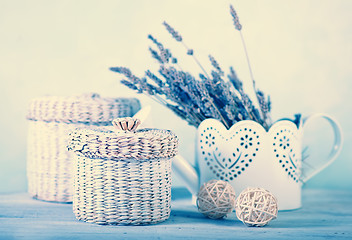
<point>49,164</point>
<point>122,178</point>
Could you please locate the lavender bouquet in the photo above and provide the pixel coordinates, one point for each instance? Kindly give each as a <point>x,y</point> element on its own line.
<point>195,99</point>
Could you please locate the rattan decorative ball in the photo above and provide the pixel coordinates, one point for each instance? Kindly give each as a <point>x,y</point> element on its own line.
<point>216,199</point>
<point>256,207</point>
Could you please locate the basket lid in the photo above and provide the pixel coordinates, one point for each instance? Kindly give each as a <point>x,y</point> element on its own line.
<point>109,143</point>
<point>86,108</point>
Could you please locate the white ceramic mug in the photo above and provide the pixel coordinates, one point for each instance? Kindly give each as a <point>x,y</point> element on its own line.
<point>247,155</point>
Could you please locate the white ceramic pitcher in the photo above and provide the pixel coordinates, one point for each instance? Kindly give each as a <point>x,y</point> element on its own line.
<point>247,155</point>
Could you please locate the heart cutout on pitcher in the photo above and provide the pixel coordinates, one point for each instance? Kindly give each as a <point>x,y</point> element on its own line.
<point>228,153</point>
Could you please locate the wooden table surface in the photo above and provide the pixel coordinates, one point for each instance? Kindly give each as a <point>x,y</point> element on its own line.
<point>325,214</point>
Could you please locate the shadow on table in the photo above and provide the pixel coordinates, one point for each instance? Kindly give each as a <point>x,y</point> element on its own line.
<point>194,217</point>
<point>285,220</point>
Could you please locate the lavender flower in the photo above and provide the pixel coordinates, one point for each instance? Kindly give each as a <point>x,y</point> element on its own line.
<point>173,32</point>
<point>236,21</point>
<point>123,70</point>
<point>234,80</point>
<point>155,55</point>
<point>127,72</point>
<point>153,77</point>
<point>155,41</point>
<point>196,99</point>
<point>263,103</point>
<point>216,65</point>
<point>264,115</point>
<point>265,106</point>
<point>164,55</point>
<point>179,39</point>
<point>129,84</point>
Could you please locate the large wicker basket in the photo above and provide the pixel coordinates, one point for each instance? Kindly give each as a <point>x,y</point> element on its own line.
<point>122,178</point>
<point>49,164</point>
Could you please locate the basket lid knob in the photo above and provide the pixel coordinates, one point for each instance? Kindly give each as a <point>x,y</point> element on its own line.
<point>126,124</point>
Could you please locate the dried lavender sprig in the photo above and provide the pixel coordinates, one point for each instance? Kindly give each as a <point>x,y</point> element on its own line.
<point>216,65</point>
<point>215,87</point>
<point>238,85</point>
<point>233,103</point>
<point>155,55</point>
<point>191,98</point>
<point>153,77</point>
<point>149,88</point>
<point>183,102</point>
<point>262,102</point>
<point>134,81</point>
<point>156,42</point>
<point>178,38</point>
<point>202,102</point>
<point>238,26</point>
<point>172,31</point>
<point>165,54</point>
<point>127,72</point>
<point>235,18</point>
<point>265,106</point>
<point>199,93</point>
<point>129,84</point>
<point>236,82</point>
<point>180,83</point>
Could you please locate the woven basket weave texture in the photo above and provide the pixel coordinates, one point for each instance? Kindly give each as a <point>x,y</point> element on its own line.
<point>50,119</point>
<point>122,178</point>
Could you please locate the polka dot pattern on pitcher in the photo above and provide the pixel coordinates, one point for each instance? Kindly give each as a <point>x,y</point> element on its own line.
<point>286,154</point>
<point>229,154</point>
<point>229,166</point>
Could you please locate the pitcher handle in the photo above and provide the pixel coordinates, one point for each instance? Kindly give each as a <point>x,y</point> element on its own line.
<point>336,148</point>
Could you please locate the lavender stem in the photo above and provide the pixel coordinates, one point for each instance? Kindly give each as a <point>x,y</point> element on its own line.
<point>196,60</point>
<point>251,74</point>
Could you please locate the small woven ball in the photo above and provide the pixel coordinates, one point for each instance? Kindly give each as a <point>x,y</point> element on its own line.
<point>216,199</point>
<point>256,207</point>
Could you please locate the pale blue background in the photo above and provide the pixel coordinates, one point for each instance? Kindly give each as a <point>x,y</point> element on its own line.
<point>300,53</point>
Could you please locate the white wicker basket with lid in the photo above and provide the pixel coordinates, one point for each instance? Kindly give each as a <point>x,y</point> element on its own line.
<point>51,118</point>
<point>122,177</point>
